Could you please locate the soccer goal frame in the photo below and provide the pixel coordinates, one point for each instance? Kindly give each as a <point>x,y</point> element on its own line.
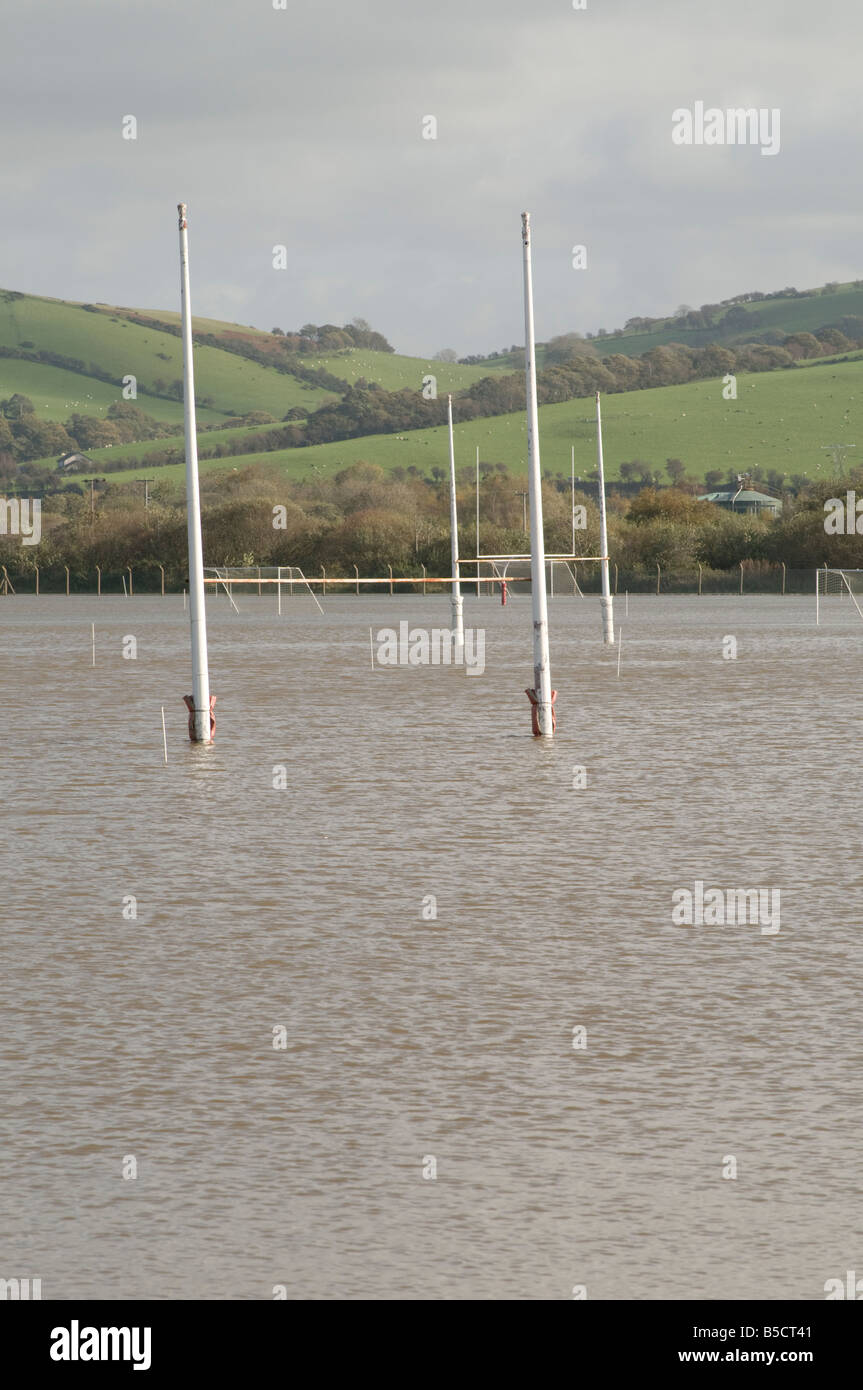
<point>835,583</point>
<point>224,577</point>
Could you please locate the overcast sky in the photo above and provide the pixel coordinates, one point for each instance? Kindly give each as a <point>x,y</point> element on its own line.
<point>304,127</point>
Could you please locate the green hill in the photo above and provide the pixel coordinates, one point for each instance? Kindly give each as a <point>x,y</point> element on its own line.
<point>57,393</point>
<point>396,373</point>
<point>113,345</point>
<point>105,340</point>
<point>391,370</point>
<point>780,421</point>
<point>800,314</point>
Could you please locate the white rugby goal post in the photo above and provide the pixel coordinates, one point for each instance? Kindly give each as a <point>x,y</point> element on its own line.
<point>561,573</point>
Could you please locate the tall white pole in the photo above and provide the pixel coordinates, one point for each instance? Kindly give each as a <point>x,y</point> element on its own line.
<point>606,601</point>
<point>541,694</point>
<point>200,721</point>
<point>457,601</point>
<point>573,500</point>
<point>477,520</point>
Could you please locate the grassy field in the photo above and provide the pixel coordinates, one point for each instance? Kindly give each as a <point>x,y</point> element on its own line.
<point>120,347</point>
<point>198,325</point>
<point>206,439</point>
<point>780,420</point>
<point>395,373</point>
<point>390,370</point>
<point>110,340</point>
<point>56,394</point>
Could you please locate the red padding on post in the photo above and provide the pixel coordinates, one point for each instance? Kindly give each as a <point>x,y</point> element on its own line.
<point>534,717</point>
<point>189,702</point>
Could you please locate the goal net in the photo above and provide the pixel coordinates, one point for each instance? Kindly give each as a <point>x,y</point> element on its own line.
<point>267,577</point>
<point>834,586</point>
<point>283,581</point>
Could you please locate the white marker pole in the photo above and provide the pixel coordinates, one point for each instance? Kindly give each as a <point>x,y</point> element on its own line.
<point>457,600</point>
<point>539,604</point>
<point>607,601</point>
<point>817,590</point>
<point>164,734</point>
<point>197,602</point>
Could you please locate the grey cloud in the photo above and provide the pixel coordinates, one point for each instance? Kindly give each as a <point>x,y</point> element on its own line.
<point>303,127</point>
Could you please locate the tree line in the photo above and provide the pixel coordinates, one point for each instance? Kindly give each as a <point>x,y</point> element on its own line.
<point>366,517</point>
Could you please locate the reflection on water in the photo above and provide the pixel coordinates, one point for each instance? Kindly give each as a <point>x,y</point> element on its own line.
<point>407,1036</point>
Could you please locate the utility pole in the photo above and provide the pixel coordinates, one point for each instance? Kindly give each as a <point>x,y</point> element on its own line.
<point>93,481</point>
<point>146,482</point>
<point>524,496</point>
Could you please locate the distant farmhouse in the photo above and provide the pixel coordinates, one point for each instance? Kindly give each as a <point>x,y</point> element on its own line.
<point>73,463</point>
<point>744,498</point>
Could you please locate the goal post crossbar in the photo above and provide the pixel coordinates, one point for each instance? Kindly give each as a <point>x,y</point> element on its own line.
<point>480,559</point>
<point>281,577</point>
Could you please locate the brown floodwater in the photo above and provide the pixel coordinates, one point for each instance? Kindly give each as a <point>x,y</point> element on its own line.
<point>411,1038</point>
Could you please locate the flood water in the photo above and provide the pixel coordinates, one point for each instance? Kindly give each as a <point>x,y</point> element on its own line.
<point>411,1038</point>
